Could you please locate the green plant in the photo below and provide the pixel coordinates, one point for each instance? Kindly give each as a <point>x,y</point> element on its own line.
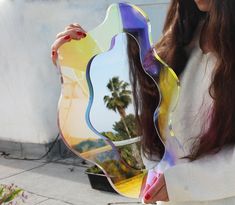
<point>95,170</point>
<point>11,194</point>
<point>121,171</point>
<point>118,100</point>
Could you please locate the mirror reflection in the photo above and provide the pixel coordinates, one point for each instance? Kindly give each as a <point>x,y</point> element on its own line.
<point>111,108</point>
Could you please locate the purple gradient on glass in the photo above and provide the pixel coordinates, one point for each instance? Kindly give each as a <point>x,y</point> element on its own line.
<point>136,24</point>
<point>112,43</point>
<point>169,157</point>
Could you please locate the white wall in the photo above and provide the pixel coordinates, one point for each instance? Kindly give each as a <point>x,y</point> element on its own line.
<point>29,83</point>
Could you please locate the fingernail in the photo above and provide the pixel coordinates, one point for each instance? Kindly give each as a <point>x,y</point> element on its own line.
<point>147,186</point>
<point>155,179</point>
<point>147,196</point>
<point>80,33</point>
<point>67,37</point>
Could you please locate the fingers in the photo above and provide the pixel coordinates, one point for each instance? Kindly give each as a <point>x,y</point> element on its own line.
<point>160,196</point>
<point>154,195</point>
<point>54,57</point>
<point>157,192</point>
<point>58,42</point>
<point>73,31</point>
<point>146,188</point>
<point>153,191</point>
<point>156,187</point>
<point>75,25</point>
<point>152,174</point>
<point>151,179</point>
<point>148,185</point>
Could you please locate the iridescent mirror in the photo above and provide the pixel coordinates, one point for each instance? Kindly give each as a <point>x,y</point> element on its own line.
<point>96,111</point>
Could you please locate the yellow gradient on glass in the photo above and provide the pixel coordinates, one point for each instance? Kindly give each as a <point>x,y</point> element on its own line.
<point>75,93</point>
<point>111,26</point>
<point>169,87</point>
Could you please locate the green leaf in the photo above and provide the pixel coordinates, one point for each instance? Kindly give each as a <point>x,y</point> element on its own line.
<point>1,191</point>
<point>13,195</point>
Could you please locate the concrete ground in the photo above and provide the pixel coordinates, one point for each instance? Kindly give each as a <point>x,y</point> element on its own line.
<point>59,182</point>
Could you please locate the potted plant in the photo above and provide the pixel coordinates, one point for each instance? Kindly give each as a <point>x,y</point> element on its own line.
<point>11,193</point>
<point>98,180</point>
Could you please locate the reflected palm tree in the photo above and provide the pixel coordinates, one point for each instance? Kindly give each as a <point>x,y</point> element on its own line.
<point>119,100</point>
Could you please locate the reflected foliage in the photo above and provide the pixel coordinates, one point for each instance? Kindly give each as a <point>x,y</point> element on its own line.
<point>87,145</point>
<point>131,126</point>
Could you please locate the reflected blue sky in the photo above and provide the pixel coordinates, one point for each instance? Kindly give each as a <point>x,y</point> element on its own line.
<point>103,68</point>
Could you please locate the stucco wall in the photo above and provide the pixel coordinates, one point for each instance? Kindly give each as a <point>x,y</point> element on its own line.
<point>29,83</point>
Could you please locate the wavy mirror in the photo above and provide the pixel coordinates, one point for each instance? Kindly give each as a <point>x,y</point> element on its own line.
<point>96,110</point>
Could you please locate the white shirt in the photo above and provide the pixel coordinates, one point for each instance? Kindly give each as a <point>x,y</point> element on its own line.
<point>209,180</point>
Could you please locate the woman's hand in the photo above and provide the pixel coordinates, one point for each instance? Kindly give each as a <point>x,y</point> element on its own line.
<point>73,31</point>
<point>156,191</point>
<point>152,176</point>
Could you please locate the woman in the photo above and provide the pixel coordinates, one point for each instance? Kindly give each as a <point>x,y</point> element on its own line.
<point>199,44</point>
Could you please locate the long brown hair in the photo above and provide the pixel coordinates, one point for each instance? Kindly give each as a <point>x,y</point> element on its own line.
<point>182,20</point>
